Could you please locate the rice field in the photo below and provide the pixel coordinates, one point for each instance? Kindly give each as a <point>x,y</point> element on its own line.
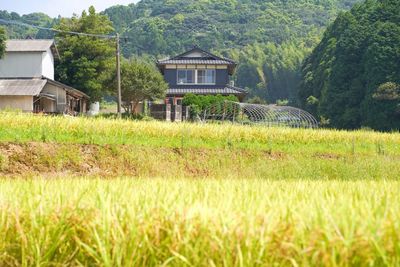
<point>17,127</point>
<point>103,192</point>
<point>183,222</point>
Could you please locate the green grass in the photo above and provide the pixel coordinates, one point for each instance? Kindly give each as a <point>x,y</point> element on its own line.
<point>23,128</point>
<point>104,192</point>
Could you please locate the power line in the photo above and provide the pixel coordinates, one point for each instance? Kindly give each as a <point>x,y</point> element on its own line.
<point>104,36</point>
<point>13,22</point>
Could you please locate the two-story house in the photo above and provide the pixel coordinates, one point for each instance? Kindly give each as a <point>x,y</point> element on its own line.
<point>27,80</point>
<point>198,72</point>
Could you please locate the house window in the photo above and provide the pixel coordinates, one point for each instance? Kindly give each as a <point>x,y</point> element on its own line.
<point>206,76</point>
<point>186,76</point>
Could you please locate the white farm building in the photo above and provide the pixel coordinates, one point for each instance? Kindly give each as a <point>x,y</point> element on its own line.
<point>27,80</point>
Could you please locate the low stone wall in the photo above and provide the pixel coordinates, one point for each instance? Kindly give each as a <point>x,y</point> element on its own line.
<point>168,112</point>
<point>161,111</point>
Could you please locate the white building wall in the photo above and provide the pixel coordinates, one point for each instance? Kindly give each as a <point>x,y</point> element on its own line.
<point>21,65</point>
<point>48,64</point>
<point>24,103</point>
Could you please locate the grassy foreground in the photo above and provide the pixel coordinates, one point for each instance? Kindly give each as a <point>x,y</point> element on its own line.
<point>98,192</point>
<point>182,222</point>
<point>53,146</point>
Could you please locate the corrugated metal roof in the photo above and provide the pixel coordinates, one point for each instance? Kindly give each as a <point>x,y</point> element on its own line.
<point>21,87</point>
<point>204,91</point>
<point>68,88</point>
<point>33,87</point>
<point>28,45</point>
<point>196,61</point>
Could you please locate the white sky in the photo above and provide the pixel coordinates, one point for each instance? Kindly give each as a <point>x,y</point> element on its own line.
<point>54,8</point>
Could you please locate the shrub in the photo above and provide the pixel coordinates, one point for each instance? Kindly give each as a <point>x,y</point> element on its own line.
<point>200,103</point>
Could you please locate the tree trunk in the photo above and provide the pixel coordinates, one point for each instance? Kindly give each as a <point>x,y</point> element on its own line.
<point>134,106</point>
<point>126,108</point>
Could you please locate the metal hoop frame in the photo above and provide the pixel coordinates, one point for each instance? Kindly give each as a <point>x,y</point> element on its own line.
<point>268,115</point>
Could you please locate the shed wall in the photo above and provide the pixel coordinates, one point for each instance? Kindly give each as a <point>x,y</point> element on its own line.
<point>24,103</point>
<point>60,94</point>
<point>48,105</point>
<point>21,65</point>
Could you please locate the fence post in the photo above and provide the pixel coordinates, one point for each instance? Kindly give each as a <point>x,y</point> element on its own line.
<point>224,111</point>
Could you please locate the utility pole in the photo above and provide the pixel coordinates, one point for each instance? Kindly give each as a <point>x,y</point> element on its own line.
<point>118,55</point>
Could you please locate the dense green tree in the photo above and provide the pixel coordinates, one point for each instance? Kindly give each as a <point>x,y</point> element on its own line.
<point>2,41</point>
<point>357,59</point>
<point>140,81</point>
<point>86,61</point>
<point>257,100</point>
<point>271,71</point>
<point>387,91</point>
<point>121,16</point>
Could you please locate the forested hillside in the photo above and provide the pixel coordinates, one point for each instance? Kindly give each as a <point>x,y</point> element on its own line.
<point>37,19</point>
<point>352,78</point>
<point>167,26</point>
<point>269,39</point>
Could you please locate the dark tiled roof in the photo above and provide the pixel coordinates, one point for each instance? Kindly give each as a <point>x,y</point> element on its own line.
<point>196,61</point>
<point>207,58</point>
<point>228,90</point>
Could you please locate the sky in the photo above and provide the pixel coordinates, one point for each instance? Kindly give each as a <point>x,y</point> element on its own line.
<point>53,8</point>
